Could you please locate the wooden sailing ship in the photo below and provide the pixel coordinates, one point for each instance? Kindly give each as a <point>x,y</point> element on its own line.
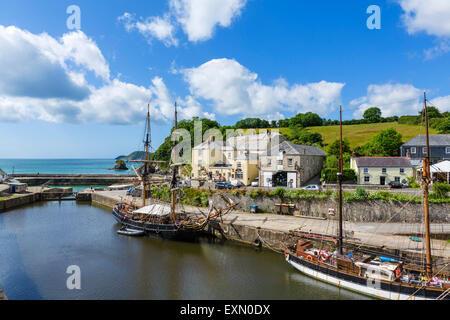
<point>160,218</point>
<point>372,274</point>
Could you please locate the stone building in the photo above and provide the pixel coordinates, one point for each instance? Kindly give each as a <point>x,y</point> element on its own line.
<point>290,165</point>
<point>382,170</point>
<point>237,158</point>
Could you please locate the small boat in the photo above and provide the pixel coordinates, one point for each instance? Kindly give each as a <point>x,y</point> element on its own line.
<point>130,232</point>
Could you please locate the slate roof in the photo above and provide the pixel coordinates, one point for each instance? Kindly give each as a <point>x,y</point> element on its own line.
<point>383,162</point>
<point>435,140</point>
<point>289,148</point>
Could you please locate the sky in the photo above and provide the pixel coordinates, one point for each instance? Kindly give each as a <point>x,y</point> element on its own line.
<point>75,81</point>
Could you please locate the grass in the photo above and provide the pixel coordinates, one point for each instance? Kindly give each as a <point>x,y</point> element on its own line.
<point>360,134</point>
<point>10,197</point>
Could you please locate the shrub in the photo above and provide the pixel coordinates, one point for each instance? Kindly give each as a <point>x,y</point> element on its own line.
<point>441,189</point>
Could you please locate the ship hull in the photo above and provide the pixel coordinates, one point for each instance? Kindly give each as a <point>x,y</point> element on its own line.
<point>378,289</point>
<point>165,231</point>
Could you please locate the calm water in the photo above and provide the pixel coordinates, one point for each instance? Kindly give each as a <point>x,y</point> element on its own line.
<point>61,166</point>
<point>39,242</point>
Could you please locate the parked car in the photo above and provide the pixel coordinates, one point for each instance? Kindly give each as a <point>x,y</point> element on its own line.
<point>224,185</point>
<point>184,183</point>
<point>130,191</point>
<point>395,184</point>
<point>312,187</point>
<point>255,183</point>
<point>236,183</point>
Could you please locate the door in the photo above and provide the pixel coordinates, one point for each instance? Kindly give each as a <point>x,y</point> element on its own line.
<point>382,181</point>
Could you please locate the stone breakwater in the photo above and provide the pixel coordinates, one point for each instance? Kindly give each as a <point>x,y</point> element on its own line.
<point>73,179</point>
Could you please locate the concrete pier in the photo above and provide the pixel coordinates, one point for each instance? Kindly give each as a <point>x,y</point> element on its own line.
<point>73,179</point>
<point>34,194</point>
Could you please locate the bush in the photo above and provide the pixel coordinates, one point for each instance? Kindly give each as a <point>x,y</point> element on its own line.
<point>441,189</point>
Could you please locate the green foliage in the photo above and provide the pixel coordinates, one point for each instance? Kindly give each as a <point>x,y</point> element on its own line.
<point>432,112</point>
<point>301,136</point>
<point>330,175</point>
<point>252,123</point>
<point>334,147</point>
<point>411,120</point>
<point>308,119</point>
<point>372,115</point>
<point>444,126</point>
<point>279,192</point>
<point>385,144</point>
<point>441,189</point>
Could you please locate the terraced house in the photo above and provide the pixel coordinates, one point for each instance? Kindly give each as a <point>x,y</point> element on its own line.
<point>290,165</point>
<point>237,158</point>
<point>416,150</point>
<point>382,170</point>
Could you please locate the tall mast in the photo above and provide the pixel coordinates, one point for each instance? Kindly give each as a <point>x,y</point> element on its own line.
<point>175,169</point>
<point>147,145</point>
<point>426,181</point>
<point>340,176</point>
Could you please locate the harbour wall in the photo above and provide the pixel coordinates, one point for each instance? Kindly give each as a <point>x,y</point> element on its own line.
<point>47,194</point>
<point>354,211</point>
<point>73,179</point>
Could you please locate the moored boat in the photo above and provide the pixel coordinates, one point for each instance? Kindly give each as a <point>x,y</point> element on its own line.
<point>373,274</point>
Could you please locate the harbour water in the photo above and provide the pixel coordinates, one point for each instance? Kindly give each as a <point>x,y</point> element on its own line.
<point>60,166</point>
<point>40,241</point>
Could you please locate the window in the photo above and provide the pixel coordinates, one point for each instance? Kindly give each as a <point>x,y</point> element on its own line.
<point>229,154</point>
<point>239,165</point>
<point>366,179</point>
<point>402,170</point>
<point>280,162</point>
<point>447,150</point>
<point>413,150</point>
<point>199,162</point>
<point>383,170</point>
<point>269,162</point>
<point>397,179</point>
<point>424,150</point>
<point>366,170</point>
<point>290,162</point>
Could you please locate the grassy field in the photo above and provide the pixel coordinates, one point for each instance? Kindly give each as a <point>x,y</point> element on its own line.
<point>360,134</point>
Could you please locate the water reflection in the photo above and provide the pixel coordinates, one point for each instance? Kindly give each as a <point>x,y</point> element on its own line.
<point>39,242</point>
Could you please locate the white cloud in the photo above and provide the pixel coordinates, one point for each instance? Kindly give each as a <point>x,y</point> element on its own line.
<point>430,16</point>
<point>442,103</point>
<point>199,18</point>
<point>154,27</point>
<point>44,78</point>
<point>392,99</point>
<point>233,89</point>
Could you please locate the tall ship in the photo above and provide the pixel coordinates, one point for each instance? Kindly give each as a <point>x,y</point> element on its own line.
<point>374,274</point>
<point>168,220</point>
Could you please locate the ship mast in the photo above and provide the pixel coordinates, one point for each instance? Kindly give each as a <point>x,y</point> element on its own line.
<point>175,169</point>
<point>147,145</point>
<point>425,181</point>
<point>339,177</point>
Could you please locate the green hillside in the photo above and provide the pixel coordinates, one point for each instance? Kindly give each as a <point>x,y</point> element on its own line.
<point>360,134</point>
<point>137,155</point>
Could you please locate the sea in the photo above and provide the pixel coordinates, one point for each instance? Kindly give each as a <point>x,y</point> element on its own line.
<point>61,166</point>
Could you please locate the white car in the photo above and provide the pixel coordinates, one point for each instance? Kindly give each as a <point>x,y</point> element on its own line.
<point>255,183</point>
<point>236,183</point>
<point>312,187</point>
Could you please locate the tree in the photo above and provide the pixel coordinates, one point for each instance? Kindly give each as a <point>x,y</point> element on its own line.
<point>334,148</point>
<point>372,115</point>
<point>386,143</point>
<point>252,123</point>
<point>432,112</point>
<point>308,119</point>
<point>308,138</point>
<point>444,127</point>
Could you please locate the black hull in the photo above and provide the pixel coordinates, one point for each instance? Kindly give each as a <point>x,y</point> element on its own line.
<point>165,231</point>
<point>394,287</point>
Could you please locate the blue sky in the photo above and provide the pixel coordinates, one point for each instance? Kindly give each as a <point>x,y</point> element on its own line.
<point>83,94</point>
